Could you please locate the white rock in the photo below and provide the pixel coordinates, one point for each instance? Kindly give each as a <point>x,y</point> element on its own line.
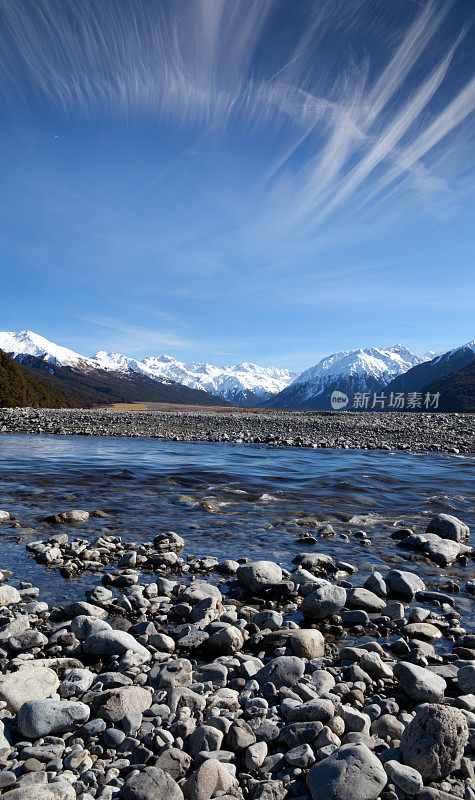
<point>9,595</point>
<point>31,682</point>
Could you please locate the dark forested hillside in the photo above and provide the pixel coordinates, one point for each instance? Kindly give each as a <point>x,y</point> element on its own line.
<point>457,390</point>
<point>18,388</point>
<point>99,387</point>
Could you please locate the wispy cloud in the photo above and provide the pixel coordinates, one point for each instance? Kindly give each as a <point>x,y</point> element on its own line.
<point>135,339</point>
<point>361,110</point>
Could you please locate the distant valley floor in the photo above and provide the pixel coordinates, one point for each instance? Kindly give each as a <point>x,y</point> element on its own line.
<point>417,432</point>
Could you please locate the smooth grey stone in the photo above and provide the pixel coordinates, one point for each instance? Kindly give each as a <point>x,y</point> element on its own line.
<point>84,626</point>
<point>177,672</point>
<point>113,704</point>
<point>198,590</point>
<point>418,683</point>
<point>326,600</point>
<point>205,737</point>
<point>404,584</point>
<point>407,778</point>
<point>174,761</point>
<point>375,583</point>
<point>352,772</point>
<point>281,671</point>
<point>300,733</point>
<point>43,717</point>
<point>320,710</point>
<point>76,683</point>
<point>272,620</point>
<point>364,599</point>
<point>258,575</point>
<point>300,756</point>
<point>110,642</point>
<point>449,527</point>
<point>216,673</point>
<point>151,783</point>
<point>113,737</point>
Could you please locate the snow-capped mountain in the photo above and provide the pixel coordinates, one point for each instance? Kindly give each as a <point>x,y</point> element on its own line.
<point>27,343</point>
<point>351,371</point>
<point>243,384</point>
<point>370,370</point>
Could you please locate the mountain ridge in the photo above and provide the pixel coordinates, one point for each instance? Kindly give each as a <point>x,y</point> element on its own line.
<point>419,376</point>
<point>110,377</point>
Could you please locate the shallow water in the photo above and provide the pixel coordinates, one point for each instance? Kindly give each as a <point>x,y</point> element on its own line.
<point>254,495</point>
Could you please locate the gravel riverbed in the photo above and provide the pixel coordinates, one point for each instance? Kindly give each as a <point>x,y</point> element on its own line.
<point>192,677</point>
<point>417,432</point>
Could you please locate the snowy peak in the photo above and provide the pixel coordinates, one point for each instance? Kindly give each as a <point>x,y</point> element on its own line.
<point>381,364</point>
<point>32,344</point>
<point>241,383</point>
<point>350,371</point>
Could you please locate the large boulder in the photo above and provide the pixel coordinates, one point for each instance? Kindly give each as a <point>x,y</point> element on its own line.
<point>434,741</point>
<point>258,575</point>
<point>151,783</point>
<point>111,643</point>
<point>449,527</point>
<point>38,718</point>
<point>352,772</point>
<point>29,683</point>
<point>420,684</point>
<point>326,600</point>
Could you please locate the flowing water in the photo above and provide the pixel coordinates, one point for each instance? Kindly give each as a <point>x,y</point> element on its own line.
<point>229,500</point>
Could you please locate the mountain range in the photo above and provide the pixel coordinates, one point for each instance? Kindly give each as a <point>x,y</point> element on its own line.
<point>244,384</point>
<point>111,377</point>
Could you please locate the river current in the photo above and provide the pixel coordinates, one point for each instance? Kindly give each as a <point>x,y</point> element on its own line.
<point>229,500</point>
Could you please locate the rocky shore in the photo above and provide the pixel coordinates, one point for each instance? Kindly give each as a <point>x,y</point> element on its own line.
<point>417,432</point>
<point>190,678</point>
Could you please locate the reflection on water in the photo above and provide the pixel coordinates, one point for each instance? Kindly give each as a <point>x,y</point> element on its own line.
<point>228,500</point>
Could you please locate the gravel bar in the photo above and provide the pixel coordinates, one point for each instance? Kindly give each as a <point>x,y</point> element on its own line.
<point>417,432</point>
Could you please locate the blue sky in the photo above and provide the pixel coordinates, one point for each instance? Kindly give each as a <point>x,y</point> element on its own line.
<point>231,180</point>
